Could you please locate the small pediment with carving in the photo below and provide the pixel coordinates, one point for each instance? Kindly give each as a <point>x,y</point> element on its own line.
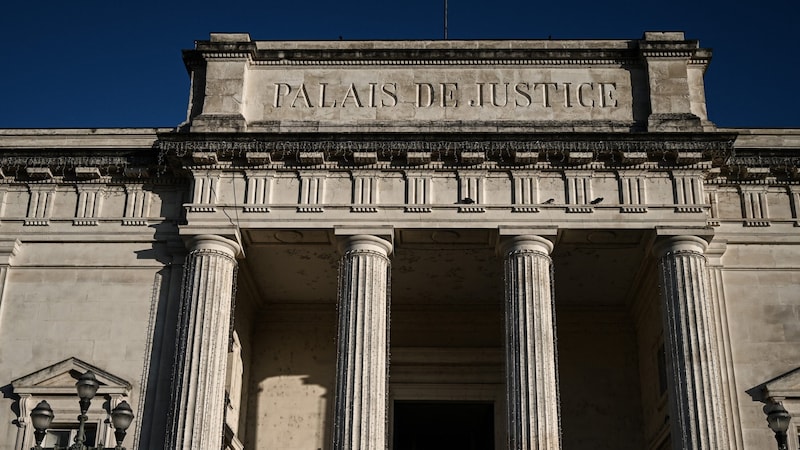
<point>60,378</point>
<point>784,386</point>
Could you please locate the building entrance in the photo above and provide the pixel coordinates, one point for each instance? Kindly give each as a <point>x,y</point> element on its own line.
<point>427,425</point>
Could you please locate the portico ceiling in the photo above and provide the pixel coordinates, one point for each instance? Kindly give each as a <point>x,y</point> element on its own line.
<point>444,267</point>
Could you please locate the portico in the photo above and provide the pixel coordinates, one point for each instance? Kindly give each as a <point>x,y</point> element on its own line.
<point>452,333</point>
<point>445,235</point>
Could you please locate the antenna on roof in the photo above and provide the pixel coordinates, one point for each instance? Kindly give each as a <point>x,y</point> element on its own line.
<point>445,19</point>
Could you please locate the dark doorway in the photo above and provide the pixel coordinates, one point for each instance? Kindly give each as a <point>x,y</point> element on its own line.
<point>443,425</point>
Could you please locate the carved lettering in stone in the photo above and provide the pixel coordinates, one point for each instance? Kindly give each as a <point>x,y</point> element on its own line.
<point>288,95</point>
<point>424,93</point>
<point>447,94</point>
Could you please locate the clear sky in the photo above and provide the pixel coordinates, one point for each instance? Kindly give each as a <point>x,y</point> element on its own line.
<point>93,64</point>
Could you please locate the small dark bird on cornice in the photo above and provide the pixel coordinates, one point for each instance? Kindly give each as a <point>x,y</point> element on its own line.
<point>596,201</point>
<point>548,201</point>
<point>467,201</point>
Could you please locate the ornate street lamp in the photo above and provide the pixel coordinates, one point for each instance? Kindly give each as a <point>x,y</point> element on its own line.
<point>778,419</point>
<point>87,385</point>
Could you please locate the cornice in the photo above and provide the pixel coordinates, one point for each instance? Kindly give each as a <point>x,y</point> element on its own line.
<point>452,53</point>
<point>97,139</point>
<point>558,149</point>
<point>77,165</point>
<point>582,60</point>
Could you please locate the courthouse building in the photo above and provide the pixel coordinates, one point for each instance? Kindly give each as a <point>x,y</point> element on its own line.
<point>409,245</point>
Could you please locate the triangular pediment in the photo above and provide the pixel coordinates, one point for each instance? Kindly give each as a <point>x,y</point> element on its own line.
<point>786,385</point>
<point>783,386</point>
<point>60,378</point>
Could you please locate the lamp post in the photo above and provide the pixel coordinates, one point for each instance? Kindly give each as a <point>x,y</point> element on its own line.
<point>778,419</point>
<point>87,385</point>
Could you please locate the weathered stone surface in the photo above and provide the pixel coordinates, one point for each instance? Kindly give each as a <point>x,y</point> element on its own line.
<point>204,342</point>
<point>605,146</point>
<point>362,362</point>
<point>531,365</point>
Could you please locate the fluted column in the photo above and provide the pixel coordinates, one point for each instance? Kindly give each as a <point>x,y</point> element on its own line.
<point>531,368</point>
<point>205,320</point>
<point>696,408</point>
<point>363,343</point>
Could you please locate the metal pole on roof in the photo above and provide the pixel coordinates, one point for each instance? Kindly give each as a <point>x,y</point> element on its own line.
<point>445,19</point>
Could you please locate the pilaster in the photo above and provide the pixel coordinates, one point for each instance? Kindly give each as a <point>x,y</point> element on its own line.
<point>729,396</point>
<point>696,404</point>
<point>531,365</point>
<point>205,319</point>
<point>8,250</point>
<point>363,343</point>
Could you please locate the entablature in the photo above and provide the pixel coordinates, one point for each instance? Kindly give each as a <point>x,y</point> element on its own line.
<point>476,150</point>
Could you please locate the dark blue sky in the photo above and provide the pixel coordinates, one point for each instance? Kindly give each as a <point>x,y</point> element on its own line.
<point>91,63</point>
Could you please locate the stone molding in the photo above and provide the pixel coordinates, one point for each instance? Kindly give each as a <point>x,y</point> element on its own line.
<point>614,149</point>
<point>389,53</point>
<point>119,164</point>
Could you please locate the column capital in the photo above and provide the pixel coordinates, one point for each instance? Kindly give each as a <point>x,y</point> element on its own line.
<point>364,242</point>
<point>524,242</point>
<point>214,242</point>
<point>684,243</point>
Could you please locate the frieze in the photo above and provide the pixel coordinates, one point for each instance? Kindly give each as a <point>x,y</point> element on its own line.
<point>80,167</point>
<point>619,61</point>
<point>350,53</point>
<point>556,151</point>
<point>237,147</point>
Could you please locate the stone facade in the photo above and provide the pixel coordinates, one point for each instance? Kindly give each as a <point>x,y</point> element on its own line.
<point>526,244</point>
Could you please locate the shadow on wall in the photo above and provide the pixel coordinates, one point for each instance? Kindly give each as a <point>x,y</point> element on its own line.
<point>292,378</point>
<point>165,305</point>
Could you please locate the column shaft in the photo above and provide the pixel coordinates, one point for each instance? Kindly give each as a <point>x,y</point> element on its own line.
<point>697,415</point>
<point>203,343</point>
<point>363,343</point>
<point>531,367</point>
